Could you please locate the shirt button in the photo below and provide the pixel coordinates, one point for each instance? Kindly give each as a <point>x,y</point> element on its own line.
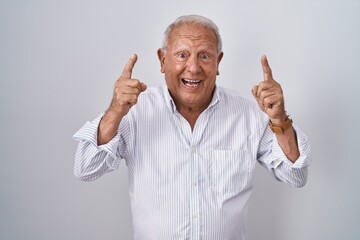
<point>277,162</point>
<point>194,184</point>
<point>194,216</point>
<point>193,150</point>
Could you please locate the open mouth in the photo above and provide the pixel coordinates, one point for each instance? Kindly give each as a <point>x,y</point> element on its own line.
<point>190,83</point>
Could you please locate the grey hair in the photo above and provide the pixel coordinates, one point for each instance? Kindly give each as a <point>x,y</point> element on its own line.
<point>195,19</point>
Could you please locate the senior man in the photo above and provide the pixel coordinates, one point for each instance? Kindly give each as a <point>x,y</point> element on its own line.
<point>191,146</point>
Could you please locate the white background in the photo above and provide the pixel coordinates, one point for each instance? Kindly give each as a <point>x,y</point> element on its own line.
<point>58,64</point>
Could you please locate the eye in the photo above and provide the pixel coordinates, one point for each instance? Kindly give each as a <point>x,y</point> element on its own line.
<point>204,56</point>
<point>182,55</point>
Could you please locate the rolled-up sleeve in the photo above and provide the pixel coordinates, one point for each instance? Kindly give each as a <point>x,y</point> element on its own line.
<point>91,160</point>
<point>272,157</point>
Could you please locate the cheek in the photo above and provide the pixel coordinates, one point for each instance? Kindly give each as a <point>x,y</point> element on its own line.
<point>171,78</point>
<point>211,70</point>
<point>174,68</point>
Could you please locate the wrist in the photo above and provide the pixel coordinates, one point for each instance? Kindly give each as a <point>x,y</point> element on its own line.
<point>116,112</point>
<point>280,126</point>
<point>279,120</point>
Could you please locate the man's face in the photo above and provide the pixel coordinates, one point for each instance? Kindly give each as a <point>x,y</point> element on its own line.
<point>190,65</point>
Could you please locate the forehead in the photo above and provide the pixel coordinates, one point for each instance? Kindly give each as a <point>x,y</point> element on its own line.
<point>194,33</point>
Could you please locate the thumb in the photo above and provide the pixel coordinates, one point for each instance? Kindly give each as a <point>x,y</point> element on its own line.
<point>143,86</point>
<point>254,91</point>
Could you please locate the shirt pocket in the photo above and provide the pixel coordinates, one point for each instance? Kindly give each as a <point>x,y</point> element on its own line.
<point>230,171</point>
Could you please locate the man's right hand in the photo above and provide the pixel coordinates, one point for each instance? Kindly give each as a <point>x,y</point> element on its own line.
<point>127,90</point>
<point>126,93</point>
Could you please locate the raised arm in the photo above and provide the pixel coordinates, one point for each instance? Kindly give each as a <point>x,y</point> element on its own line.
<point>270,98</point>
<point>100,146</point>
<point>126,92</point>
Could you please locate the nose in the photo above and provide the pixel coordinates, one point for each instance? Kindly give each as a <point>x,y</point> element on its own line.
<point>193,65</point>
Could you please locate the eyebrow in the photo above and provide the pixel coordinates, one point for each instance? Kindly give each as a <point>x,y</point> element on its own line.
<point>203,47</point>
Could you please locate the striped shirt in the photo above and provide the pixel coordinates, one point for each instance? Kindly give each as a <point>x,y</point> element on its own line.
<point>184,183</point>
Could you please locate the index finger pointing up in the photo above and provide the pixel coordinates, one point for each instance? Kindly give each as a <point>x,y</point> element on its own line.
<point>266,68</point>
<point>129,67</point>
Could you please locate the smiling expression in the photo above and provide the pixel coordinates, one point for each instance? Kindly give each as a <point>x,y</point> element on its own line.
<point>190,64</point>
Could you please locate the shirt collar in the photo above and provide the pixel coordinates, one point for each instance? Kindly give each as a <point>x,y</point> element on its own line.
<point>171,104</point>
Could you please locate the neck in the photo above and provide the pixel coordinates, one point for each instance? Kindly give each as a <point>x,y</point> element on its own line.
<point>191,113</point>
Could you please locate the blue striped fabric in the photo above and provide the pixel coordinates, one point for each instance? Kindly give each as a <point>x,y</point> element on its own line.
<point>190,184</point>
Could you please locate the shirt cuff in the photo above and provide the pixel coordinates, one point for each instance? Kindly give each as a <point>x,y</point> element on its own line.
<point>278,156</point>
<point>88,133</point>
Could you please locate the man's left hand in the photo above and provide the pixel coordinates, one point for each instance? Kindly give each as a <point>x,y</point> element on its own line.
<point>269,95</point>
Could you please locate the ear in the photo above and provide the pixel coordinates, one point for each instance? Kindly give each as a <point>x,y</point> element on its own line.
<point>161,56</point>
<point>218,62</point>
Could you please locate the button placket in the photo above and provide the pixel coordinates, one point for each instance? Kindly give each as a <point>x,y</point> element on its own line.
<point>194,192</point>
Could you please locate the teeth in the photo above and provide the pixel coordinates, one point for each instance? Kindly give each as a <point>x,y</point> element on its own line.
<point>192,81</point>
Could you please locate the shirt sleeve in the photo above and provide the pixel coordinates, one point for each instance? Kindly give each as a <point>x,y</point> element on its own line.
<point>271,156</point>
<point>91,160</point>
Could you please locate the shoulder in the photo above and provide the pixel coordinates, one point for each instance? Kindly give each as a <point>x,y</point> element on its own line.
<point>152,95</point>
<point>150,102</point>
<point>152,92</point>
<point>233,104</point>
<point>232,98</point>
<point>233,107</point>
